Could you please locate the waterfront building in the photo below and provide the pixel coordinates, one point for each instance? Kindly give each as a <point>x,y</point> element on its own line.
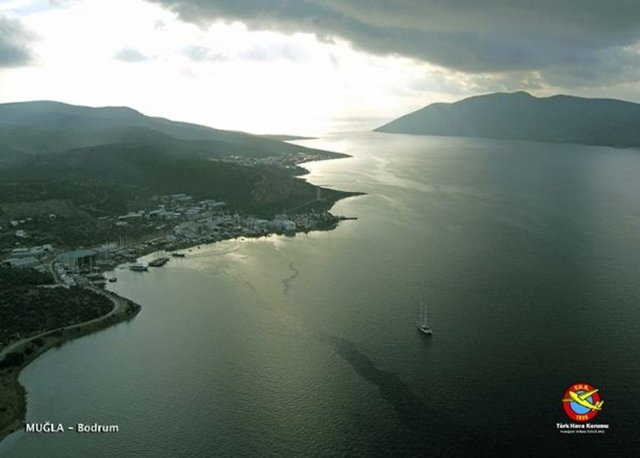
<point>79,258</point>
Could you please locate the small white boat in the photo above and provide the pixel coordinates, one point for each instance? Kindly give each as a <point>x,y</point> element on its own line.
<point>423,325</point>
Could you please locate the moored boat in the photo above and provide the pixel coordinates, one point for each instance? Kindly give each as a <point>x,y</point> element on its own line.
<point>139,266</point>
<point>159,262</point>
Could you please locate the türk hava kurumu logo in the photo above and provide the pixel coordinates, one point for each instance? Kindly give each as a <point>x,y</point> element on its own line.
<point>582,402</point>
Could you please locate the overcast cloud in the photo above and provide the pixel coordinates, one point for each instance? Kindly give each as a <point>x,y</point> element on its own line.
<point>14,43</point>
<point>565,42</point>
<point>300,65</point>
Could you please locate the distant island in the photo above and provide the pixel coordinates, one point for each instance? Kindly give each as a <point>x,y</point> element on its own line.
<point>521,116</point>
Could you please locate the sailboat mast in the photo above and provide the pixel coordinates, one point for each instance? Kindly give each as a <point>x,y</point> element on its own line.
<point>423,325</point>
<point>425,314</point>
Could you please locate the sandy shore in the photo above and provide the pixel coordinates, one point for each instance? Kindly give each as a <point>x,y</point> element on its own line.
<point>13,394</point>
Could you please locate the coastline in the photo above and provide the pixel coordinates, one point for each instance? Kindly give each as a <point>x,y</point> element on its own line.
<point>150,244</point>
<point>13,394</point>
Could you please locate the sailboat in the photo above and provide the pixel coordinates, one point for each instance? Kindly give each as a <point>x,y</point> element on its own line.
<point>422,325</point>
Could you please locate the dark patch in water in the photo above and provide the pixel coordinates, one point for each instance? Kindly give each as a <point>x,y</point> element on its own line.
<point>423,429</point>
<point>288,280</point>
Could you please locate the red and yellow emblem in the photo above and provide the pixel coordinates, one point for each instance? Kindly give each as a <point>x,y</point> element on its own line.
<point>582,402</point>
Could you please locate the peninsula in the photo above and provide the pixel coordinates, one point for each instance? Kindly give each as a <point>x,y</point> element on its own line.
<point>74,176</point>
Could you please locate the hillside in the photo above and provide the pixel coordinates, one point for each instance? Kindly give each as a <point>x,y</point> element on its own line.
<point>83,165</point>
<point>44,127</point>
<point>521,116</point>
<point>152,170</point>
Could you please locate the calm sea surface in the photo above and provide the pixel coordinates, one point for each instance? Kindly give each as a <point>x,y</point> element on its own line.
<point>527,255</point>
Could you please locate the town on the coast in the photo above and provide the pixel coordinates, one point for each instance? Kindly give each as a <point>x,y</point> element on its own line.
<point>116,190</point>
<point>179,221</point>
<point>53,293</point>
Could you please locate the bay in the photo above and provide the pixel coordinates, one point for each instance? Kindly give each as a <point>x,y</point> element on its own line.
<point>526,254</point>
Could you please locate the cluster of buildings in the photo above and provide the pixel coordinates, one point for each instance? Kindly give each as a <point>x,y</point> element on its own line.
<point>186,222</point>
<point>224,226</point>
<point>28,257</point>
<point>174,207</point>
<point>205,220</point>
<point>211,229</point>
<point>284,161</point>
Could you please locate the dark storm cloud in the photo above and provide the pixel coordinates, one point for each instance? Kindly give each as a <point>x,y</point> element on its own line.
<point>562,39</point>
<point>14,43</point>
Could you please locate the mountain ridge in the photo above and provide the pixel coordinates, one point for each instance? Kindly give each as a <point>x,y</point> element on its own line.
<point>40,127</point>
<point>521,116</point>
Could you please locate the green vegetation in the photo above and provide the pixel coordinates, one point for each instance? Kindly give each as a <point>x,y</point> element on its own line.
<point>22,196</point>
<point>80,186</point>
<point>66,212</point>
<point>15,278</point>
<point>20,210</point>
<point>12,359</point>
<point>63,168</point>
<point>112,175</point>
<point>26,308</point>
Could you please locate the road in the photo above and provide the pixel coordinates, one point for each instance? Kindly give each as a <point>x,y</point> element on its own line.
<point>119,305</point>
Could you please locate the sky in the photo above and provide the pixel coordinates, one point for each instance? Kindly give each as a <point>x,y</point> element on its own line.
<point>309,67</point>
